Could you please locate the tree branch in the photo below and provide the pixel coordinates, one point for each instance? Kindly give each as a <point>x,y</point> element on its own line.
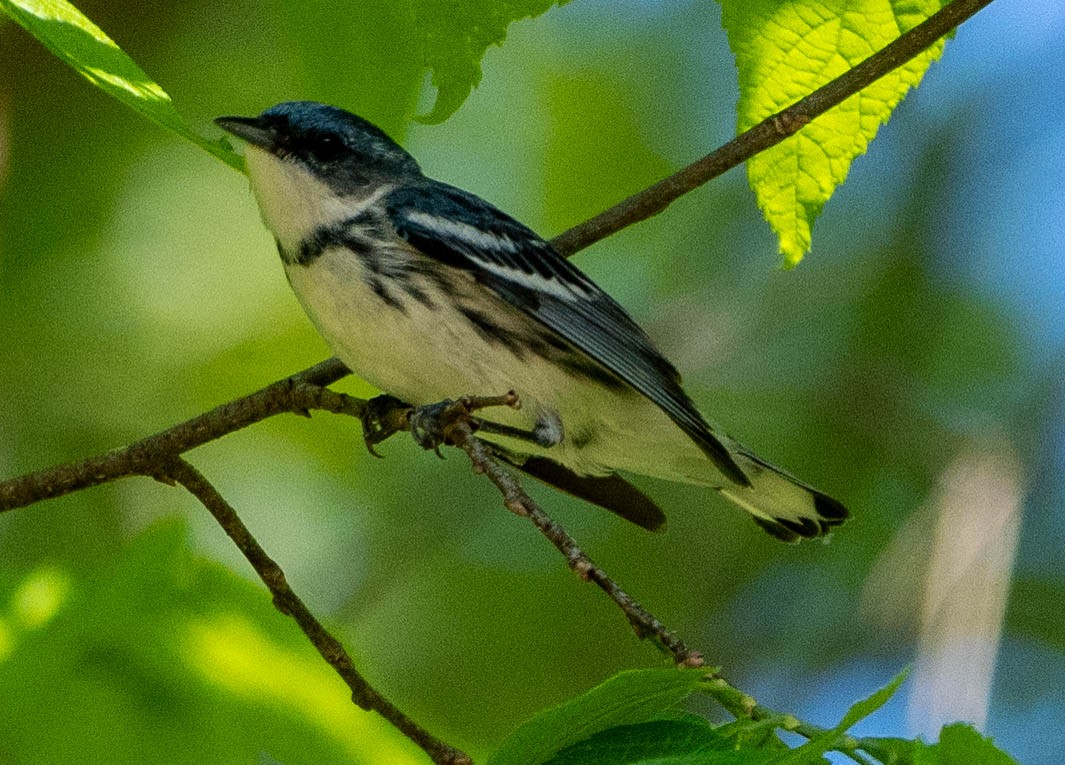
<point>769,132</point>
<point>520,503</point>
<point>288,603</point>
<point>298,393</point>
<point>128,460</point>
<point>517,500</point>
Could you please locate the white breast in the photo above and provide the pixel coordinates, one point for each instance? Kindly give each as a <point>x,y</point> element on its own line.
<point>418,354</point>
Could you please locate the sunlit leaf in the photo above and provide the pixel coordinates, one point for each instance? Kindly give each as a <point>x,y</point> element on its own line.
<point>784,51</point>
<point>71,36</point>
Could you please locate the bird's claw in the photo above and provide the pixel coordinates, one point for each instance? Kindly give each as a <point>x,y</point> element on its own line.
<point>383,417</point>
<point>447,422</point>
<point>430,424</point>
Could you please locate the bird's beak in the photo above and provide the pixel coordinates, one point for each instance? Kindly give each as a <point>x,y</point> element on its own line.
<point>250,129</point>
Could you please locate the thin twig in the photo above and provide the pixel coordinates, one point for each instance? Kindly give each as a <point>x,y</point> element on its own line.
<point>743,705</point>
<point>737,702</point>
<point>520,503</point>
<point>288,603</point>
<point>769,132</point>
<point>517,500</point>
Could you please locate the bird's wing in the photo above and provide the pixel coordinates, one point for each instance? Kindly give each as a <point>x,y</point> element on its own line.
<point>462,230</point>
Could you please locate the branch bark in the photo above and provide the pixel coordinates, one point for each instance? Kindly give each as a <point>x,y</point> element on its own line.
<point>520,503</point>
<point>132,459</point>
<point>299,393</point>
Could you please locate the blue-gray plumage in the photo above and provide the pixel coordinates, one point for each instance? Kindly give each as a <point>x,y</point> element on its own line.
<point>429,292</point>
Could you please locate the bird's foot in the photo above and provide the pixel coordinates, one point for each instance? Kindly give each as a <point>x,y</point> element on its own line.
<point>449,421</point>
<point>383,417</point>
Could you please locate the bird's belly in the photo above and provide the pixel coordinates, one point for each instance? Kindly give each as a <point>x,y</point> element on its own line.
<point>424,352</point>
<point>416,352</point>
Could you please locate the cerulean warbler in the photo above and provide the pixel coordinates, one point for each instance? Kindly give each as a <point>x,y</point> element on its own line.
<point>429,293</point>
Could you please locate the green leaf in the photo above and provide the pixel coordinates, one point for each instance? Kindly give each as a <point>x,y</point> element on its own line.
<point>784,51</point>
<point>960,744</point>
<point>628,698</point>
<point>654,740</point>
<point>72,37</point>
<point>455,41</point>
<point>811,751</point>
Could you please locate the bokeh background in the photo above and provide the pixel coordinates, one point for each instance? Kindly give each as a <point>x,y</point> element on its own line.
<point>912,365</point>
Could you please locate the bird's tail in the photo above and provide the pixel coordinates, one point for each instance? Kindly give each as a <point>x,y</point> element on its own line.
<point>781,504</point>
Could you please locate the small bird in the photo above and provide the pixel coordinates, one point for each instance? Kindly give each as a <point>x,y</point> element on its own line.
<point>430,293</point>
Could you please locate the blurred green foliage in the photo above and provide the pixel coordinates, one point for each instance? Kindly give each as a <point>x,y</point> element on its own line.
<point>137,288</point>
<point>210,676</point>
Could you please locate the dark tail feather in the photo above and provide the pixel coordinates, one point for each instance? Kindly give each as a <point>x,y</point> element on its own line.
<point>781,504</point>
<point>830,513</point>
<point>610,492</point>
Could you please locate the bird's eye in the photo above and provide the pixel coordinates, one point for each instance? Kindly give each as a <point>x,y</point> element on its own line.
<point>326,148</point>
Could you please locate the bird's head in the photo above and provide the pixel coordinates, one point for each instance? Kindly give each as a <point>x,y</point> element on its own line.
<point>343,150</point>
<point>307,160</point>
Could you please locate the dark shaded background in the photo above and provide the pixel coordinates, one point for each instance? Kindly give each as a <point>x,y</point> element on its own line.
<point>912,366</point>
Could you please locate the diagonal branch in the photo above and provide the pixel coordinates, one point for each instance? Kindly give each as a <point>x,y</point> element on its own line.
<point>520,503</point>
<point>769,132</point>
<point>740,704</point>
<point>288,603</point>
<point>300,392</point>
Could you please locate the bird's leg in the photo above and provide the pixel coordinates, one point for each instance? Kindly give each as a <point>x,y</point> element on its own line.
<point>546,433</point>
<point>431,424</point>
